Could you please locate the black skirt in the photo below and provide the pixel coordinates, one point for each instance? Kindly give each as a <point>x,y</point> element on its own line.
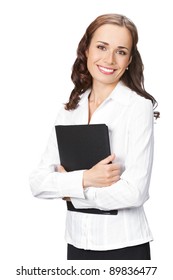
<point>139,252</point>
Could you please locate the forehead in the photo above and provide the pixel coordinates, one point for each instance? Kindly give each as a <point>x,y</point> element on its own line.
<point>113,35</point>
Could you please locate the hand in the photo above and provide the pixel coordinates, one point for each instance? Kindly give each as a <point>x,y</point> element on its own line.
<point>66,198</point>
<point>102,174</point>
<point>61,169</point>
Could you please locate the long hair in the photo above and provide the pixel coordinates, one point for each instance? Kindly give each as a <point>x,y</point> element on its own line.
<point>132,78</point>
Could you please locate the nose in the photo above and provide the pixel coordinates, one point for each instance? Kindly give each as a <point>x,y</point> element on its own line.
<point>109,57</point>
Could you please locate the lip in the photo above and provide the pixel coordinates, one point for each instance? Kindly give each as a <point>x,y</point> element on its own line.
<point>106,70</point>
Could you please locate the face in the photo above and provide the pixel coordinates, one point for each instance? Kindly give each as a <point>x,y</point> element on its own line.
<point>109,54</point>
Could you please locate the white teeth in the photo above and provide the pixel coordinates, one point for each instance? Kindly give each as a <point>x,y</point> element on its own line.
<point>106,69</point>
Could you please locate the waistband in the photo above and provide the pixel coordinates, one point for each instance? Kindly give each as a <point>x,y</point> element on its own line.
<point>70,207</point>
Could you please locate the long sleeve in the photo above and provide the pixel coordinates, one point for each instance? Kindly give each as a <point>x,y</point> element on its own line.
<point>129,118</point>
<point>132,188</point>
<point>46,182</point>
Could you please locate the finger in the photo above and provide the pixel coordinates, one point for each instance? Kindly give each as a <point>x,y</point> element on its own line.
<point>116,179</point>
<point>61,169</point>
<point>114,167</point>
<point>66,198</point>
<point>114,173</point>
<point>109,181</point>
<point>113,180</point>
<point>107,159</point>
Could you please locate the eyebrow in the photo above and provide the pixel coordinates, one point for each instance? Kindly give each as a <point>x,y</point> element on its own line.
<point>105,43</point>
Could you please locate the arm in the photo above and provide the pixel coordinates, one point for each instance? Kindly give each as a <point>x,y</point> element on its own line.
<point>103,174</point>
<point>47,182</point>
<point>132,188</point>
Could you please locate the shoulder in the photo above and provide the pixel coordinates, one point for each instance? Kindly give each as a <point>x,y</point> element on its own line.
<point>137,106</point>
<point>134,100</point>
<point>63,115</point>
<point>141,111</point>
<point>129,98</point>
<point>140,104</point>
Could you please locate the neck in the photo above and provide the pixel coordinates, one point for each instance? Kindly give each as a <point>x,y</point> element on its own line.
<point>100,93</point>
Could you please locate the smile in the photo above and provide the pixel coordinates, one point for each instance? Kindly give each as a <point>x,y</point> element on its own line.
<point>105,70</point>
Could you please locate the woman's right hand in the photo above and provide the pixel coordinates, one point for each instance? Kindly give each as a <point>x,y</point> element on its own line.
<point>102,174</point>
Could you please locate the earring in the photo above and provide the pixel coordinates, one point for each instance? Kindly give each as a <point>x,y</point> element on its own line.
<point>127,68</point>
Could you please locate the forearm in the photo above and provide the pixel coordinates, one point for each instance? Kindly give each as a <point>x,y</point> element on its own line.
<point>46,183</point>
<point>120,195</point>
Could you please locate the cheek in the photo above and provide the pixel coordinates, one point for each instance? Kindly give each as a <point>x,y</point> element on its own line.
<point>92,61</point>
<point>124,62</point>
<point>93,55</point>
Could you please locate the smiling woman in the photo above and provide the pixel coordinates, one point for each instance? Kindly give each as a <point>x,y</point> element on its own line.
<point>108,57</point>
<point>133,78</point>
<point>108,88</point>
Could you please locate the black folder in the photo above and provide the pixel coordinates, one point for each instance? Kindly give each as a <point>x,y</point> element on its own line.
<point>82,146</point>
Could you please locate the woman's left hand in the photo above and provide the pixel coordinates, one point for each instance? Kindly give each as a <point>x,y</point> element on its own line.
<point>60,169</point>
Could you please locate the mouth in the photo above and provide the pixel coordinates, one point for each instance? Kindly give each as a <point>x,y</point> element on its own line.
<point>106,70</point>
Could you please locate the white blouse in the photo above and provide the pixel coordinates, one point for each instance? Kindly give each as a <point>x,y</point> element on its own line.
<point>129,118</point>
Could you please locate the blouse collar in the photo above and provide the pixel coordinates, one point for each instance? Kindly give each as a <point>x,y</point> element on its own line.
<point>120,94</point>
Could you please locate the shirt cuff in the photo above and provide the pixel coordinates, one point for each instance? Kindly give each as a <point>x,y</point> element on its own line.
<point>87,201</point>
<point>67,184</point>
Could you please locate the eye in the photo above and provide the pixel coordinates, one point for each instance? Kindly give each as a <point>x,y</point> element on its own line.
<point>121,52</point>
<point>101,47</point>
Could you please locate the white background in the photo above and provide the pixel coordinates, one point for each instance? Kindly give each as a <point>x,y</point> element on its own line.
<point>37,50</point>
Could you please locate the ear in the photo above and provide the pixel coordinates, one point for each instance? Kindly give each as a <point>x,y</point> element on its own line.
<point>86,53</point>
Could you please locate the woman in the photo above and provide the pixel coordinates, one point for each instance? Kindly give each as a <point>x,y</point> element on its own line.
<point>108,88</point>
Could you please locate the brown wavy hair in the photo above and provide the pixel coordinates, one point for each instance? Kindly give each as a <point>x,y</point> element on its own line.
<point>132,78</point>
